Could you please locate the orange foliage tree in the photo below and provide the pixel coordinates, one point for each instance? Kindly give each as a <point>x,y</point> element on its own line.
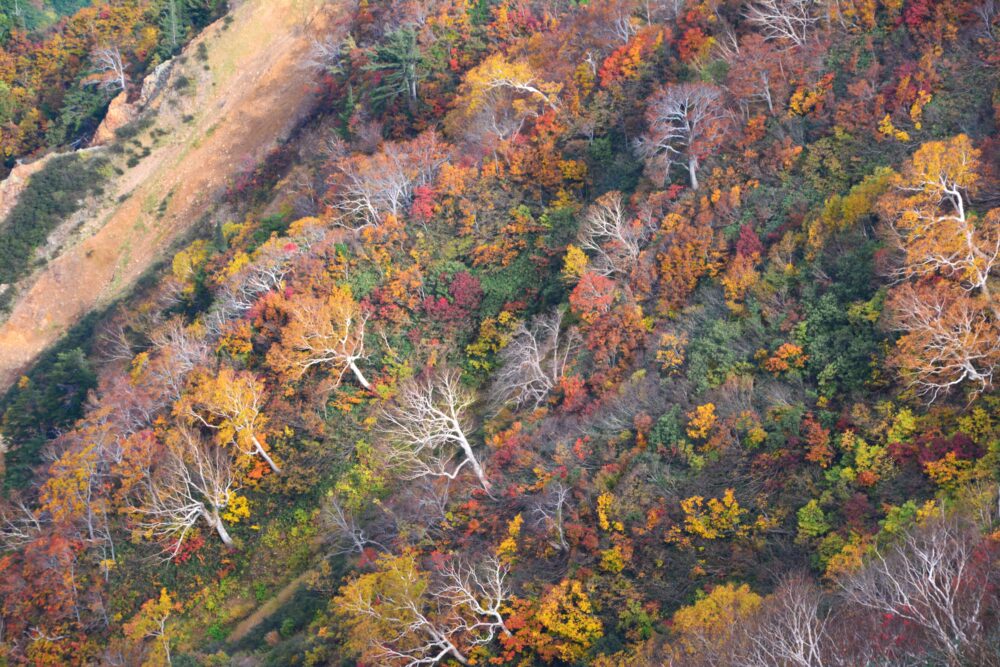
<point>322,332</point>
<point>231,404</point>
<point>944,304</point>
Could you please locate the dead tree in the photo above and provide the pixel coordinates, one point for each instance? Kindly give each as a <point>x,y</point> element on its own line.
<point>936,577</point>
<point>193,482</point>
<point>686,121</point>
<point>426,429</point>
<point>111,69</point>
<point>534,361</point>
<point>790,21</point>
<point>612,236</point>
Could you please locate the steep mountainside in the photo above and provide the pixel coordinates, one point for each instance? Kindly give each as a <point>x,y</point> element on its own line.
<point>223,112</point>
<point>616,333</point>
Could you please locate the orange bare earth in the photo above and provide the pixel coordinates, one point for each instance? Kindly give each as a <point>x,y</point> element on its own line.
<point>250,93</point>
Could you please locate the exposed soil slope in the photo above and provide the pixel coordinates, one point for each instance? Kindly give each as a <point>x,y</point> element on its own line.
<point>248,94</point>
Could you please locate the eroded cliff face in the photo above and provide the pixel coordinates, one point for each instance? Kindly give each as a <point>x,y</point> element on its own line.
<point>121,111</point>
<point>238,89</point>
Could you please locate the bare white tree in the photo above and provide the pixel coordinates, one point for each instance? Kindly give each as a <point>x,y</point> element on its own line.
<point>370,187</point>
<point>366,188</point>
<point>550,511</point>
<point>426,429</point>
<point>126,406</point>
<point>412,618</point>
<point>789,629</point>
<point>178,350</point>
<point>193,482</point>
<point>115,343</point>
<point>477,593</point>
<point>727,46</point>
<point>402,625</point>
<point>935,578</point>
<point>785,20</point>
<point>685,120</point>
<point>267,270</point>
<point>111,69</point>
<point>424,504</point>
<point>988,12</point>
<point>614,237</point>
<point>949,339</point>
<point>534,361</point>
<point>345,533</point>
<point>326,55</point>
<point>19,526</point>
<point>662,11</point>
<point>614,21</point>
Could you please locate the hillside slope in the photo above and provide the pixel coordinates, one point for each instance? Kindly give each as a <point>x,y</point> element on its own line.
<point>605,334</point>
<point>227,118</point>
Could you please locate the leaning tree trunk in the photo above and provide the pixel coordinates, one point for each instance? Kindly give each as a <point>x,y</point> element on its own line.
<point>473,461</point>
<point>693,171</point>
<point>260,450</point>
<point>220,527</point>
<point>359,375</point>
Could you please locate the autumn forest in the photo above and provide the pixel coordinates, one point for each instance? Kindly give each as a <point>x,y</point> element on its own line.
<point>623,333</point>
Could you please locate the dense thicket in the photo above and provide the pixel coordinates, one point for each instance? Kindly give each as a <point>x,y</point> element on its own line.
<point>610,334</point>
<point>52,195</point>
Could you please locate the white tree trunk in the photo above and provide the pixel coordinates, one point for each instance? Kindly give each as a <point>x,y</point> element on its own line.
<point>220,527</point>
<point>359,375</point>
<point>260,450</point>
<point>473,461</point>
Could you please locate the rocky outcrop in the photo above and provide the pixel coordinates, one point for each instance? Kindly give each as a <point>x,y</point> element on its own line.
<point>121,112</point>
<point>154,83</point>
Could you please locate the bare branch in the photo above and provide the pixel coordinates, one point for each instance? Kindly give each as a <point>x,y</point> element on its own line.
<point>426,429</point>
<point>534,361</point>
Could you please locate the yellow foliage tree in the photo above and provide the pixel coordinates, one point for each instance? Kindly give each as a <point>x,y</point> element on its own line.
<point>719,517</point>
<point>574,264</point>
<point>701,420</point>
<point>231,404</point>
<point>507,550</point>
<point>567,614</point>
<point>151,622</point>
<point>711,621</point>
<point>671,352</point>
<point>928,210</point>
<point>950,257</point>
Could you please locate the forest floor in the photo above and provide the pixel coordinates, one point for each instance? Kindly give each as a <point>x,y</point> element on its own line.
<point>237,90</point>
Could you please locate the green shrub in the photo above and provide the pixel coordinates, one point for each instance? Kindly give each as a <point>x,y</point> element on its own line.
<point>716,352</point>
<point>37,408</point>
<point>52,195</point>
<point>667,429</point>
<point>216,631</point>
